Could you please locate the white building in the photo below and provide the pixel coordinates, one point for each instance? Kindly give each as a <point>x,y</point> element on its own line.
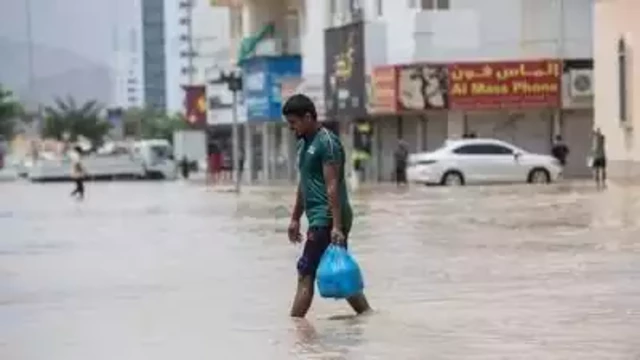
<point>127,68</point>
<point>617,105</point>
<point>443,31</point>
<point>126,59</point>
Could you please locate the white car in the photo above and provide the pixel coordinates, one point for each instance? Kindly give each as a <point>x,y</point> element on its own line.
<point>474,161</point>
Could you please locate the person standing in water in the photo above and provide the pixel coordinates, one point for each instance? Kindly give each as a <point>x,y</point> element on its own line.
<point>401,157</point>
<point>560,151</point>
<point>599,159</point>
<point>321,195</point>
<point>77,173</point>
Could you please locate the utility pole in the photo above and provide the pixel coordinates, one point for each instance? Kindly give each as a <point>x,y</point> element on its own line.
<point>233,81</point>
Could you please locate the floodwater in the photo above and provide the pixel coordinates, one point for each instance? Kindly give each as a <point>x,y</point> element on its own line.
<point>154,271</point>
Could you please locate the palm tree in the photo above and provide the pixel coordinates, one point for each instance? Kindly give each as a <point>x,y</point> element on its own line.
<point>67,118</point>
<point>148,123</point>
<point>10,109</point>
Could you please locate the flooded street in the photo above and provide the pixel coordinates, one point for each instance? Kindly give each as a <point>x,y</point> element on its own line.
<point>155,271</point>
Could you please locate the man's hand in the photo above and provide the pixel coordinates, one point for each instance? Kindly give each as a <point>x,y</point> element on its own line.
<point>337,237</point>
<point>294,232</point>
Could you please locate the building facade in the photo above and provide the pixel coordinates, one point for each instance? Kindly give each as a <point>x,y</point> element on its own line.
<point>127,64</point>
<point>154,53</point>
<point>265,47</point>
<point>422,33</point>
<point>617,72</point>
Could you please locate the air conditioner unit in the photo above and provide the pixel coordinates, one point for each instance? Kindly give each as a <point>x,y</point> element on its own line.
<point>581,82</point>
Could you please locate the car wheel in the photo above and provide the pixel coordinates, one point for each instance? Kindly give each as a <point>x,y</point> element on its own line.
<point>452,178</point>
<point>539,176</point>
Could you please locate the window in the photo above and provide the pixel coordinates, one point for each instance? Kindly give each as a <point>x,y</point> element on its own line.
<point>483,149</point>
<point>434,4</point>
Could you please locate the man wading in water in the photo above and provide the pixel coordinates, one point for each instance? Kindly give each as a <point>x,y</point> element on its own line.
<point>321,195</point>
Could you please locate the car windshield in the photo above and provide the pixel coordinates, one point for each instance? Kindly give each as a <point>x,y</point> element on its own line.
<point>161,151</point>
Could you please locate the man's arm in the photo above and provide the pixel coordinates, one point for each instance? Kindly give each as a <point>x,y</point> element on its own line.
<point>331,171</point>
<point>298,207</point>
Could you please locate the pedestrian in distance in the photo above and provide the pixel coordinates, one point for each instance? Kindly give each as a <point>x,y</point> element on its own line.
<point>78,173</point>
<point>599,159</point>
<point>560,151</point>
<point>401,157</point>
<point>321,195</point>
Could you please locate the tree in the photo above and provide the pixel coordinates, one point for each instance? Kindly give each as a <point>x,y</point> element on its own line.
<point>67,117</point>
<point>149,123</point>
<point>10,109</point>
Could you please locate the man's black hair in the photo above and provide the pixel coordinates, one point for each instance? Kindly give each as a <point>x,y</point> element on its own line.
<point>299,105</point>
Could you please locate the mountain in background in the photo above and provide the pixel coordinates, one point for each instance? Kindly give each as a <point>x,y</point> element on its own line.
<point>58,72</point>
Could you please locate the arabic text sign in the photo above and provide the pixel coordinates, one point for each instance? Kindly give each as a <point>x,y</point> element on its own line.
<point>505,84</point>
<point>384,86</point>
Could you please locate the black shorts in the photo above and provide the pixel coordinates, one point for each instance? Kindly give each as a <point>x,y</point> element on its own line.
<point>600,163</point>
<point>318,239</point>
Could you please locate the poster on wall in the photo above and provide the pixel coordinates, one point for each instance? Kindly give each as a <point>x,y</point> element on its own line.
<point>344,83</point>
<point>423,87</point>
<point>496,85</point>
<point>195,104</point>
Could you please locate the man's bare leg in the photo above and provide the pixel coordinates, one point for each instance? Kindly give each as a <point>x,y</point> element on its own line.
<point>303,298</point>
<point>359,303</point>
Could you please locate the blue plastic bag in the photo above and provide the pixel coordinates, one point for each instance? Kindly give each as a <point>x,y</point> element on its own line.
<point>338,274</point>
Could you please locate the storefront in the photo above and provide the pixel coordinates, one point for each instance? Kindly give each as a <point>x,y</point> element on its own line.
<point>407,103</point>
<point>576,122</point>
<point>516,101</point>
<point>265,129</point>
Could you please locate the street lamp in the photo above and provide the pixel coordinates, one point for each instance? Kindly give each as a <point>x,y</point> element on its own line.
<point>233,80</point>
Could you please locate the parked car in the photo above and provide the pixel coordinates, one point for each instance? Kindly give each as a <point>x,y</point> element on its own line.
<point>474,161</point>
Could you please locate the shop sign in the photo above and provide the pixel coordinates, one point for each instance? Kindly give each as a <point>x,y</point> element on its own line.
<point>495,85</point>
<point>344,82</point>
<point>383,92</point>
<point>262,77</point>
<point>423,87</point>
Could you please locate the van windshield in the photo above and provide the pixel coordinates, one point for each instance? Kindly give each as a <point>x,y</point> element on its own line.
<point>161,152</point>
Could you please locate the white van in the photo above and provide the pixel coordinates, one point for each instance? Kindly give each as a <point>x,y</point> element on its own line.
<point>146,159</point>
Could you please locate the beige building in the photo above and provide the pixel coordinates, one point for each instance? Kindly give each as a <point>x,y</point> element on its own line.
<point>617,97</point>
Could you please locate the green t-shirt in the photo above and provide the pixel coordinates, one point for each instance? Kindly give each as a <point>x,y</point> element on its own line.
<point>313,153</point>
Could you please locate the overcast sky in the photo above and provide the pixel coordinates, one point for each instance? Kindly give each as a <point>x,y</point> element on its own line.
<point>81,26</point>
